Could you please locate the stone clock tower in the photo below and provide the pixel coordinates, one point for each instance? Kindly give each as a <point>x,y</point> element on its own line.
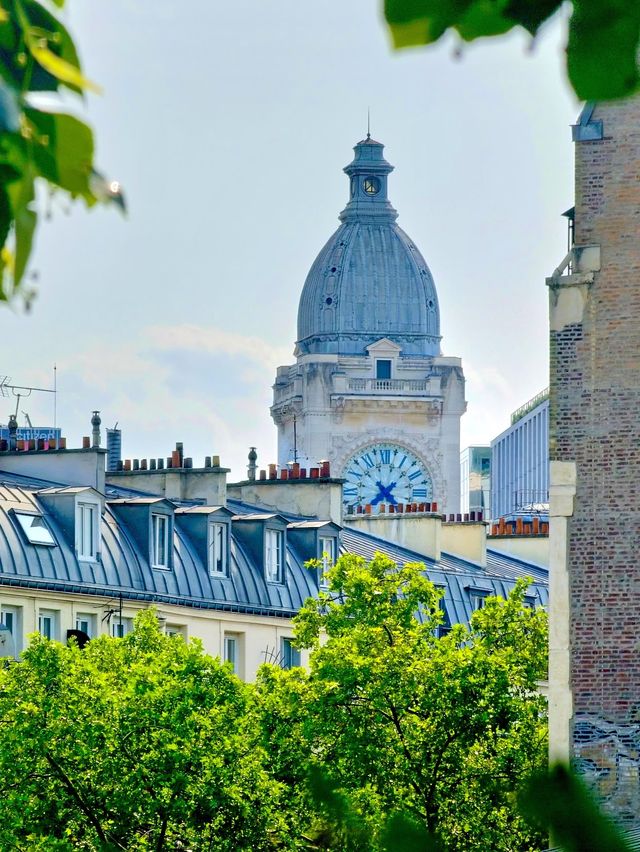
<point>370,390</point>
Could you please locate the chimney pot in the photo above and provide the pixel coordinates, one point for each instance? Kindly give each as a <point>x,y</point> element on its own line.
<point>325,469</point>
<point>120,465</point>
<point>207,461</point>
<point>188,462</point>
<point>136,464</point>
<point>32,443</point>
<point>215,461</point>
<point>382,509</point>
<point>367,509</point>
<point>400,508</point>
<point>434,507</point>
<point>459,518</point>
<point>63,443</point>
<point>143,464</point>
<point>152,464</point>
<point>169,462</point>
<point>176,459</point>
<point>303,473</point>
<point>284,473</point>
<point>160,464</point>
<point>313,472</point>
<point>273,473</point>
<point>263,475</point>
<point>479,516</point>
<point>127,464</point>
<point>295,471</point>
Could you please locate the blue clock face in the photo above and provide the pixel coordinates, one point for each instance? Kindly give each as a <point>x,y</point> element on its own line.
<point>385,473</point>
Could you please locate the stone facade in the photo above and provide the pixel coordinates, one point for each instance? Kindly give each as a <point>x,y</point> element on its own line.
<point>595,464</point>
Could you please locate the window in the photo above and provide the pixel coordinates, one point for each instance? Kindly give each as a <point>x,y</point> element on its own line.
<point>478,597</point>
<point>160,541</point>
<point>217,548</point>
<point>327,557</point>
<point>48,623</point>
<point>87,623</point>
<point>86,530</point>
<point>35,529</point>
<point>176,630</point>
<point>290,655</point>
<point>121,626</point>
<point>11,618</point>
<point>233,651</point>
<point>383,368</point>
<point>274,554</point>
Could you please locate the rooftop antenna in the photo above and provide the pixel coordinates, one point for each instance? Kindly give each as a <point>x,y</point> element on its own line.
<point>19,391</point>
<point>368,123</point>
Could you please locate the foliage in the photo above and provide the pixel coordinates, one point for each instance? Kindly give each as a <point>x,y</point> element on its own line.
<point>558,801</point>
<point>440,730</point>
<point>138,743</point>
<point>38,145</point>
<point>602,44</point>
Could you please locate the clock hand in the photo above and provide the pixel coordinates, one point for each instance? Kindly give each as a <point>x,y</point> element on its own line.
<point>384,493</point>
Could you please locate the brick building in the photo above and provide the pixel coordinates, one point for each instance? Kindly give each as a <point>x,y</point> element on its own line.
<point>595,464</point>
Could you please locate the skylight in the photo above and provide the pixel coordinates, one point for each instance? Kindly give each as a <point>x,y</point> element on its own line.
<point>35,528</point>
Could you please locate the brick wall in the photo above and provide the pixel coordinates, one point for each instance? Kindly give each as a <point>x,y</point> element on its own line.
<point>595,422</point>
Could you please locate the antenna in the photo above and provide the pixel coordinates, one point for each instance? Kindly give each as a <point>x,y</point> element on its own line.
<point>368,123</point>
<point>19,391</point>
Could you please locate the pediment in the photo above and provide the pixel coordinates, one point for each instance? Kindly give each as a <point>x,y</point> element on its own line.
<point>384,346</point>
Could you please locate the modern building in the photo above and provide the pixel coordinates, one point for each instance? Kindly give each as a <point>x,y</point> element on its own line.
<point>475,480</point>
<point>594,297</point>
<point>370,390</point>
<point>520,461</point>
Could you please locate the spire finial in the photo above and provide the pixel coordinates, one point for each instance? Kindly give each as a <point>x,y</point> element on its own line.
<point>368,123</point>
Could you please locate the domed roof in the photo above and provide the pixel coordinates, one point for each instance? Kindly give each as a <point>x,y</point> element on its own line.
<point>369,281</point>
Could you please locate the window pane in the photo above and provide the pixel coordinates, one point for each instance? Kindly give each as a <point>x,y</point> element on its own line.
<point>159,540</point>
<point>273,556</point>
<point>35,529</point>
<point>290,655</point>
<point>383,368</point>
<point>218,549</point>
<point>86,533</point>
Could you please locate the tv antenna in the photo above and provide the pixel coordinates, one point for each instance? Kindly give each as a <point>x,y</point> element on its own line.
<point>7,389</point>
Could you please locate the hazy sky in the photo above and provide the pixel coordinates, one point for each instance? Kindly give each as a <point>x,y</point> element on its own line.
<point>228,125</point>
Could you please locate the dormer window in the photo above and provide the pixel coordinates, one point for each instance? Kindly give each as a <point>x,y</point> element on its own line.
<point>217,549</point>
<point>160,541</point>
<point>35,528</point>
<point>87,531</point>
<point>326,559</point>
<point>274,555</point>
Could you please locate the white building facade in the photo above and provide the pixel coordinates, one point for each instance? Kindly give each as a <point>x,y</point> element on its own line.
<point>370,390</point>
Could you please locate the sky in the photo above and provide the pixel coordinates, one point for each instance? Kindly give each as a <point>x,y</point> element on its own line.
<point>228,125</point>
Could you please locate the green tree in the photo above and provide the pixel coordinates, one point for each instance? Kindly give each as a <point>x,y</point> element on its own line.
<point>602,42</point>
<point>139,743</point>
<point>442,728</point>
<point>39,146</point>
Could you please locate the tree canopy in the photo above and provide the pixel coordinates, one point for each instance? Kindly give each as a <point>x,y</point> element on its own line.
<point>602,41</point>
<point>141,743</point>
<point>442,729</point>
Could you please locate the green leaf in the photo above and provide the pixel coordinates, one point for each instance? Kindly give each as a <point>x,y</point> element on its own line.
<point>415,22</point>
<point>560,802</point>
<point>61,69</point>
<point>63,151</point>
<point>401,833</point>
<point>602,49</point>
<point>531,14</point>
<point>483,18</point>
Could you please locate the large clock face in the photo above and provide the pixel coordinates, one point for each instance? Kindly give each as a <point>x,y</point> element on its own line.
<point>385,474</point>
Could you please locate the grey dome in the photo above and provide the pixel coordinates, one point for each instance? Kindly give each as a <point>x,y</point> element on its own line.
<point>369,281</point>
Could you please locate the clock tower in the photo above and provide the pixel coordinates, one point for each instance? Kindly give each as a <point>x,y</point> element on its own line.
<point>370,390</point>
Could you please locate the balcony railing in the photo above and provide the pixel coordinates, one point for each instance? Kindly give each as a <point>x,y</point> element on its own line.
<point>387,385</point>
